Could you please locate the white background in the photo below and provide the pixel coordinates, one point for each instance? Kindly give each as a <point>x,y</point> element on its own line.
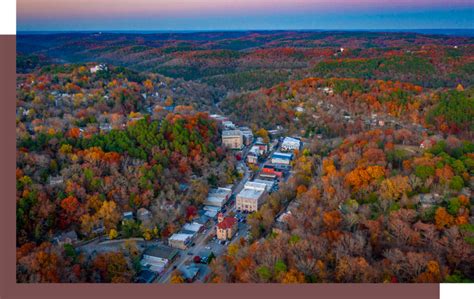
<point>7,17</point>
<point>8,26</point>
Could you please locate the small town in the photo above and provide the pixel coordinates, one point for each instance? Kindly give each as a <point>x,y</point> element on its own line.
<point>244,157</point>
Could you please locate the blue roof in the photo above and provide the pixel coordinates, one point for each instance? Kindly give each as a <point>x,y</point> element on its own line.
<point>282,156</point>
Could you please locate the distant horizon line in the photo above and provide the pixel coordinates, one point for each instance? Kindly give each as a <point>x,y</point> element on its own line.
<point>445,31</point>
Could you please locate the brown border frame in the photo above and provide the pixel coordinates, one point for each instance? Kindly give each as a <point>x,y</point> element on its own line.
<point>10,289</point>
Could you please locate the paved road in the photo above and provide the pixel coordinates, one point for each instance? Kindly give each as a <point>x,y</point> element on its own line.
<point>203,240</point>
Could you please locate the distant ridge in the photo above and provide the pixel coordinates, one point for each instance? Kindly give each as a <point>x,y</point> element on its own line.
<point>451,32</point>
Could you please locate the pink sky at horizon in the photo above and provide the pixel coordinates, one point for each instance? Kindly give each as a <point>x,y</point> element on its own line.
<point>38,9</point>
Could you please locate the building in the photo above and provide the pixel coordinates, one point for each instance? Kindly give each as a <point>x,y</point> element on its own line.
<point>226,227</point>
<point>127,216</point>
<point>282,158</point>
<point>218,197</point>
<point>262,147</point>
<point>56,180</point>
<point>255,186</point>
<point>180,240</point>
<point>189,272</point>
<point>269,169</point>
<point>193,227</point>
<point>69,237</point>
<point>157,258</point>
<point>252,158</point>
<point>99,67</point>
<point>290,144</point>
<point>211,211</point>
<point>247,135</point>
<point>251,197</point>
<point>232,139</point>
<point>144,215</point>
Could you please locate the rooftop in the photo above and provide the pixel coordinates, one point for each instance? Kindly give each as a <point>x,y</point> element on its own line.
<point>231,133</point>
<point>251,193</point>
<point>227,223</point>
<point>180,237</point>
<point>161,251</point>
<point>194,227</point>
<point>280,155</point>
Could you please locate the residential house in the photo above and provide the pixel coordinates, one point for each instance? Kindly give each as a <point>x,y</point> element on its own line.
<point>252,158</point>
<point>56,180</point>
<point>69,237</point>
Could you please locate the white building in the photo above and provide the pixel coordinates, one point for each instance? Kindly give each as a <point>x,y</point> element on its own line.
<point>218,197</point>
<point>290,144</point>
<point>99,67</point>
<point>255,186</point>
<point>194,227</point>
<point>232,139</point>
<point>180,240</point>
<point>251,197</point>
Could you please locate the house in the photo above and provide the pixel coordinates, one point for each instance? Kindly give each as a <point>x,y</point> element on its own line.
<point>251,197</point>
<point>232,139</point>
<point>252,158</point>
<point>143,214</point>
<point>180,240</point>
<point>127,216</point>
<point>157,258</point>
<point>145,217</point>
<point>226,227</point>
<point>269,183</point>
<point>55,180</point>
<point>262,147</point>
<point>290,144</point>
<point>205,256</point>
<point>281,158</point>
<point>99,67</point>
<point>69,237</point>
<point>218,197</point>
<point>105,127</point>
<point>189,272</point>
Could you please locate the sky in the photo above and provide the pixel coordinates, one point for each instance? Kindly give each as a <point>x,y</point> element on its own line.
<point>164,15</point>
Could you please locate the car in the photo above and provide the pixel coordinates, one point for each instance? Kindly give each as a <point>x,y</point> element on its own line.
<point>208,247</point>
<point>174,267</point>
<point>193,244</point>
<point>190,253</point>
